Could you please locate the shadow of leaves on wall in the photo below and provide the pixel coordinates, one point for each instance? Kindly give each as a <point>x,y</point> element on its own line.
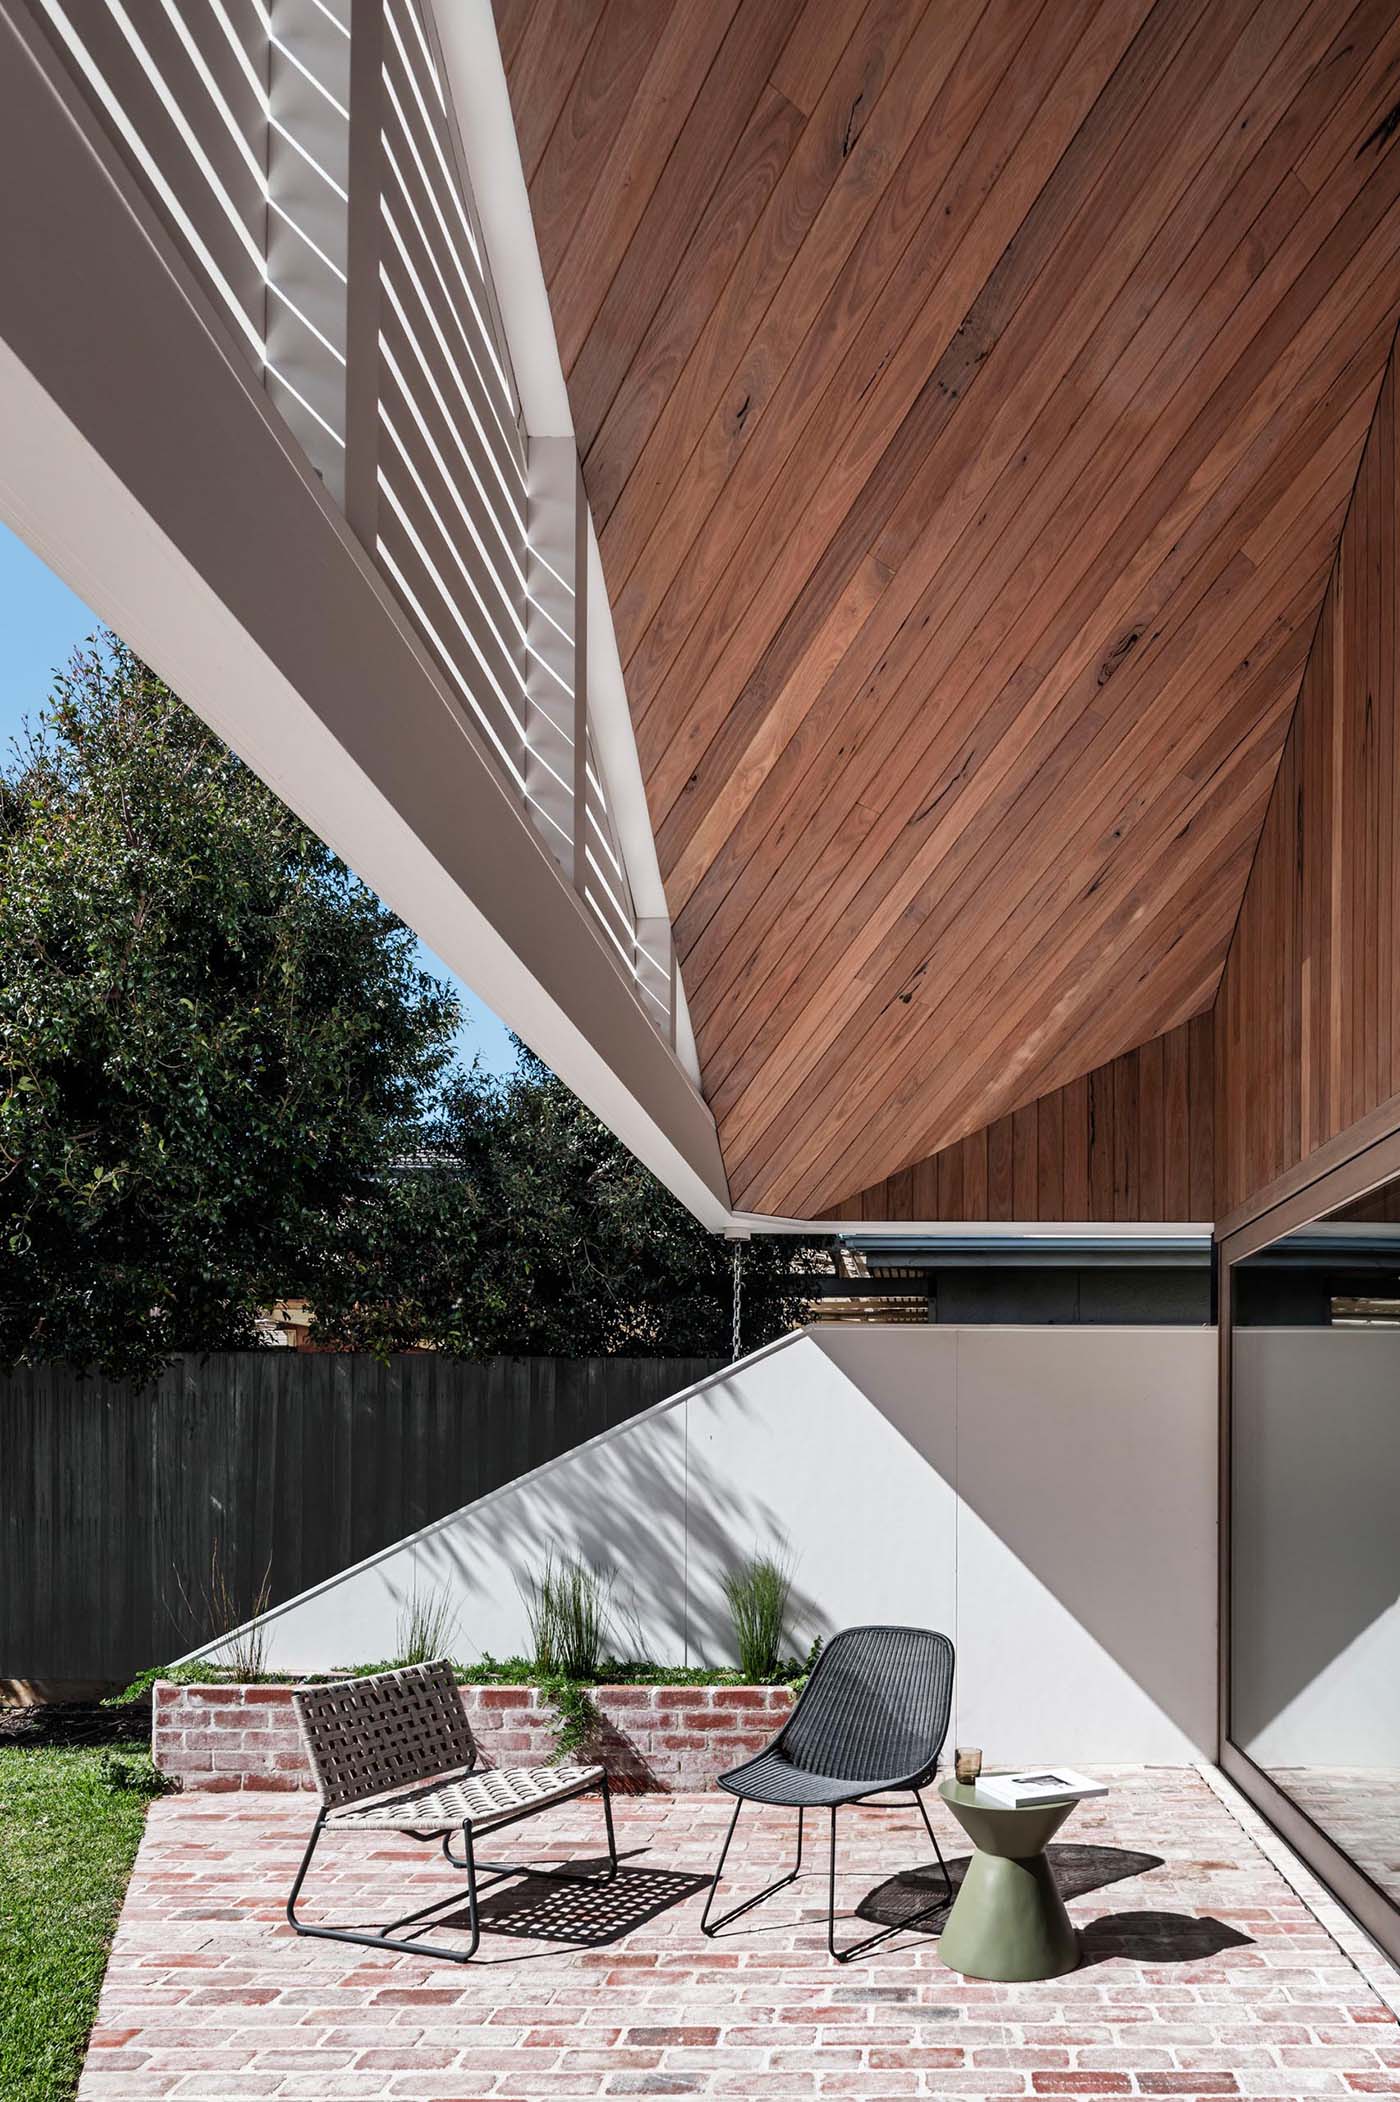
<point>647,1510</point>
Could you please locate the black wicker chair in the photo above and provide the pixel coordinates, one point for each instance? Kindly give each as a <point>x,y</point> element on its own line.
<point>870,1721</point>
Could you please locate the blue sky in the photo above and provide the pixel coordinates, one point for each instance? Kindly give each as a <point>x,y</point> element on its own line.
<point>40,622</point>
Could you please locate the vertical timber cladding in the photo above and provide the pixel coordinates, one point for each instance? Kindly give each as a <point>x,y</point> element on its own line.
<point>1308,1014</point>
<point>969,397</point>
<point>1133,1140</point>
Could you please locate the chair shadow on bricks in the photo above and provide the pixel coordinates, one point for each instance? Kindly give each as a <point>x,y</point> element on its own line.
<point>582,1915</point>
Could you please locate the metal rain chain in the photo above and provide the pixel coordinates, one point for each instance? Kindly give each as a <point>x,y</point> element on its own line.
<point>738,1290</point>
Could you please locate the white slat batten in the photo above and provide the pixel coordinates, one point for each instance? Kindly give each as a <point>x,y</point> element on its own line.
<point>555,674</point>
<point>305,156</point>
<point>308,174</point>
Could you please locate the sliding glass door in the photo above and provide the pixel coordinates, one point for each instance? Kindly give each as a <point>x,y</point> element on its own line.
<point>1313,1526</point>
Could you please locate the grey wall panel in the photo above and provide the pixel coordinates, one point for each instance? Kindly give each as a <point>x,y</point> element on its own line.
<point>1315,1647</point>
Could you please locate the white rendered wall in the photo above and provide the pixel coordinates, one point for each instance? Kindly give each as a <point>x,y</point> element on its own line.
<point>1315,1649</point>
<point>1046,1496</point>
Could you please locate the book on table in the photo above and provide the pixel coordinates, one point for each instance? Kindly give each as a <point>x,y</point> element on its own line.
<point>1038,1784</point>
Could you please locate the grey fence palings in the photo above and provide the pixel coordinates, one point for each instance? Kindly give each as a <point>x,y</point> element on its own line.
<point>115,1501</point>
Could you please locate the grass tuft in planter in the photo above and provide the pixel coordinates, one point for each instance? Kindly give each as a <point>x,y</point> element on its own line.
<point>427,1626</point>
<point>757,1593</point>
<point>567,1604</point>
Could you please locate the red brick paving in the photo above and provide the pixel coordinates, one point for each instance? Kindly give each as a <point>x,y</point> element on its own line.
<point>1206,1976</point>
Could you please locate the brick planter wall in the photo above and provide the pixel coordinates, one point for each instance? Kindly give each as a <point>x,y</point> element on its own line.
<point>652,1737</point>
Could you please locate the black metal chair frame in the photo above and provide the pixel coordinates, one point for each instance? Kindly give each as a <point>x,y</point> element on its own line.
<point>474,1869</point>
<point>910,1783</point>
<point>346,1793</point>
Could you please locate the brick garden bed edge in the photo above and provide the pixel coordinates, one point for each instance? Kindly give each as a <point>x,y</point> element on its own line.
<point>669,1738</point>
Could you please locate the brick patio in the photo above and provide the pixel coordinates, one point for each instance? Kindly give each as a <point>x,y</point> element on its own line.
<point>1205,1971</point>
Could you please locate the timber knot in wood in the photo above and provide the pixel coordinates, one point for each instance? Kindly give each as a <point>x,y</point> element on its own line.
<point>1118,655</point>
<point>906,994</point>
<point>929,808</point>
<point>1383,134</point>
<point>873,377</point>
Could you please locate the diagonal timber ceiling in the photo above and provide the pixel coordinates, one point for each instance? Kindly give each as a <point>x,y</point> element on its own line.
<point>969,396</point>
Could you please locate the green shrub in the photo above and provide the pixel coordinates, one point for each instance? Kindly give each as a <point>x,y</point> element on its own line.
<point>134,1775</point>
<point>757,1593</point>
<point>576,1717</point>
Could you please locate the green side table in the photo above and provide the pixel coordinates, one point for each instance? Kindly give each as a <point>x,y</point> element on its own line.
<point>1008,1921</point>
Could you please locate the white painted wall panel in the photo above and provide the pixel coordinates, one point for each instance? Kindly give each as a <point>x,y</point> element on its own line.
<point>1046,1496</point>
<point>793,1448</point>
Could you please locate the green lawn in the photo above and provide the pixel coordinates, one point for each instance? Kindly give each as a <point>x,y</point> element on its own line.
<point>69,1832</point>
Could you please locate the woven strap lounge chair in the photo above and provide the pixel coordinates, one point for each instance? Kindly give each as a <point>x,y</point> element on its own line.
<point>870,1721</point>
<point>395,1753</point>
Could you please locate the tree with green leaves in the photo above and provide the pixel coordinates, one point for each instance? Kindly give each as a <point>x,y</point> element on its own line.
<point>225,1081</point>
<point>523,1226</point>
<point>213,1038</point>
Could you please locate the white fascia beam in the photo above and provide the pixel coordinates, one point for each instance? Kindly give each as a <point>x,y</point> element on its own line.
<point>142,461</point>
<point>477,82</point>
